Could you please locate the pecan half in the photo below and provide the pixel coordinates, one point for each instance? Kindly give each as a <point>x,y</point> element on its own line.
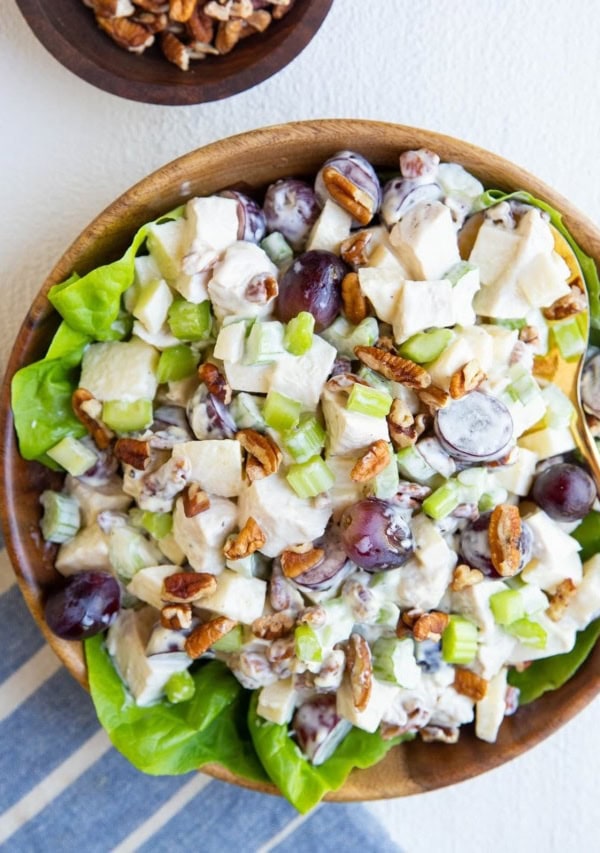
<point>434,398</point>
<point>195,500</point>
<point>134,452</point>
<point>353,250</point>
<point>204,635</point>
<point>404,427</point>
<point>228,35</point>
<point>439,734</point>
<point>470,684</point>
<point>464,576</point>
<point>248,540</point>
<point>394,367</point>
<point>360,670</point>
<point>88,410</point>
<point>573,303</point>
<point>261,288</point>
<point>254,469</point>
<point>218,11</point>
<point>154,23</point>
<point>262,447</point>
<point>354,302</point>
<point>175,50</point>
<point>215,382</point>
<point>296,561</point>
<point>126,33</point>
<point>504,535</point>
<point>529,335</point>
<point>177,616</point>
<point>273,626</point>
<point>372,463</point>
<point>466,379</point>
<point>559,601</point>
<point>188,586</point>
<point>257,22</point>
<point>348,195</point>
<point>181,10</point>
<point>315,616</point>
<point>430,626</point>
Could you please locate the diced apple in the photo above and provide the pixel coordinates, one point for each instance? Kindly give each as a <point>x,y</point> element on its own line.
<point>87,550</point>
<point>518,477</point>
<point>237,597</point>
<point>216,465</point>
<point>548,442</point>
<point>422,305</point>
<point>495,250</point>
<point>120,371</point>
<point>147,584</point>
<point>490,710</point>
<point>349,431</point>
<point>381,287</point>
<point>381,698</point>
<point>152,304</point>
<point>331,228</point>
<point>277,701</point>
<point>165,244</point>
<point>584,606</point>
<point>302,377</point>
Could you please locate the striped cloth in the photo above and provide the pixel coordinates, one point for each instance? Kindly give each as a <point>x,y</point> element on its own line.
<point>64,788</point>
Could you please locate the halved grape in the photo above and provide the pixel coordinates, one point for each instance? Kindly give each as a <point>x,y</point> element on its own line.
<point>209,417</point>
<point>590,385</point>
<point>291,207</point>
<point>475,428</point>
<point>252,223</point>
<point>333,563</point>
<point>565,492</point>
<point>318,728</point>
<point>360,175</point>
<point>312,283</point>
<point>474,545</point>
<point>401,194</point>
<point>87,604</point>
<point>376,535</point>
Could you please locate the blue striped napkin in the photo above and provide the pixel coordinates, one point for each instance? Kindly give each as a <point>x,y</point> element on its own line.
<point>64,788</point>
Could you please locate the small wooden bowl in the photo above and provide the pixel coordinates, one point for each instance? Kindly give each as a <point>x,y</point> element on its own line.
<point>68,30</point>
<point>254,160</point>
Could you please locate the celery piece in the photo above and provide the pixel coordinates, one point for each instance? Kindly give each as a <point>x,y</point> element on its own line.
<point>231,641</point>
<point>394,660</point>
<point>247,411</point>
<point>129,551</point>
<point>459,640</point>
<point>426,346</point>
<point>385,484</point>
<point>305,440</point>
<point>458,271</point>
<point>568,337</point>
<point>61,518</point>
<point>158,524</point>
<point>244,566</point>
<point>281,412</point>
<point>510,324</point>
<point>443,501</point>
<point>559,409</point>
<point>388,615</point>
<point>345,337</point>
<point>180,687</point>
<point>473,483</point>
<point>507,606</point>
<point>188,321</point>
<point>311,478</point>
<point>412,466</point>
<point>299,331</point>
<point>264,343</point>
<point>74,456</point>
<point>491,498</point>
<point>277,248</point>
<point>522,386</point>
<point>308,647</point>
<point>127,416</point>
<point>176,363</point>
<point>375,380</point>
<point>528,632</point>
<point>369,401</point>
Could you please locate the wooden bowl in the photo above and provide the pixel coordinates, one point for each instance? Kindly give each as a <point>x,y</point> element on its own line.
<point>68,30</point>
<point>253,160</point>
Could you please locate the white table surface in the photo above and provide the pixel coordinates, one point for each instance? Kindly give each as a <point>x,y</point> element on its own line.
<point>520,79</point>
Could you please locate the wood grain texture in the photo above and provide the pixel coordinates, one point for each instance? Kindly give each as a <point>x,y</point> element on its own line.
<point>68,30</point>
<point>252,160</point>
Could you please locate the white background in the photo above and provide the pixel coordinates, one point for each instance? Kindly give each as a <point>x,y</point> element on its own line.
<point>520,79</point>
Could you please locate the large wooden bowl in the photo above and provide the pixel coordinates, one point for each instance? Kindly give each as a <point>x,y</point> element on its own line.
<point>253,160</point>
<point>68,30</point>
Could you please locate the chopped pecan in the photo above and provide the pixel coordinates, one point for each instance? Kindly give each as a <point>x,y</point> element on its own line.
<point>134,452</point>
<point>273,626</point>
<point>204,635</point>
<point>262,447</point>
<point>111,8</point>
<point>439,734</point>
<point>281,8</point>
<point>353,300</point>
<point>126,33</point>
<point>344,382</point>
<point>254,469</point>
<point>360,670</point>
<point>257,22</point>
<point>228,35</point>
<point>177,616</point>
<point>504,535</point>
<point>464,576</point>
<point>248,540</point>
<point>188,586</point>
<point>529,335</point>
<point>386,343</point>
<point>434,398</point>
<point>195,500</point>
<point>348,195</point>
<point>218,11</point>
<point>545,366</point>
<point>200,27</point>
<point>156,6</point>
<point>470,684</point>
<point>394,367</point>
<point>430,626</point>
<point>181,10</point>
<point>217,385</point>
<point>405,428</point>
<point>175,50</point>
<point>315,616</point>
<point>154,23</point>
<point>410,617</point>
<point>353,250</point>
<point>88,410</point>
<point>573,303</point>
<point>466,379</point>
<point>372,463</point>
<point>302,558</point>
<point>559,601</point>
<point>261,288</point>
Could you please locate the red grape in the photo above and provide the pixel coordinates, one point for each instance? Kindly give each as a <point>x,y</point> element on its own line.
<point>565,492</point>
<point>474,545</point>
<point>291,207</point>
<point>318,728</point>
<point>87,604</point>
<point>475,428</point>
<point>252,225</point>
<point>312,283</point>
<point>359,173</point>
<point>375,535</point>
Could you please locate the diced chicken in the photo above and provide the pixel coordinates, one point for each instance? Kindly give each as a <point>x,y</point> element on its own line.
<point>381,287</point>
<point>548,570</point>
<point>349,432</point>
<point>94,499</point>
<point>474,603</point>
<point>302,377</point>
<point>237,597</point>
<point>216,465</point>
<point>202,537</point>
<point>211,226</point>
<point>120,371</point>
<point>231,276</point>
<point>422,305</point>
<point>560,638</point>
<point>87,550</point>
<point>345,491</point>
<point>463,293</point>
<point>423,585</point>
<point>253,378</point>
<point>331,228</point>
<point>452,709</point>
<point>425,240</point>
<point>494,250</point>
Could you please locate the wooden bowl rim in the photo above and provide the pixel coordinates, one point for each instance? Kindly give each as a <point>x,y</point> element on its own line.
<point>194,86</point>
<point>407,769</point>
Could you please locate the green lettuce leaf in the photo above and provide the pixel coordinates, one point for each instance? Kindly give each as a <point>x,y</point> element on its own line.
<point>551,673</point>
<point>588,535</point>
<point>303,784</point>
<point>166,739</point>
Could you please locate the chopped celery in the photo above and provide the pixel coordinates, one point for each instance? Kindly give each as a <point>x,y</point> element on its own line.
<point>412,466</point>
<point>459,640</point>
<point>158,524</point>
<point>388,615</point>
<point>491,498</point>
<point>310,478</point>
<point>473,483</point>
<point>188,321</point>
<point>522,386</point>
<point>507,606</point>
<point>74,456</point>
<point>277,248</point>
<point>180,687</point>
<point>61,520</point>
<point>394,660</point>
<point>568,337</point>
<point>529,633</point>
<point>127,416</point>
<point>264,343</point>
<point>458,271</point>
<point>231,641</point>
<point>369,401</point>
<point>443,501</point>
<point>247,411</point>
<point>559,409</point>
<point>245,566</point>
<point>176,363</point>
<point>281,412</point>
<point>129,551</point>
<point>385,484</point>
<point>426,346</point>
<point>510,324</point>
<point>375,380</point>
<point>305,440</point>
<point>299,331</point>
<point>308,647</point>
<point>345,337</point>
